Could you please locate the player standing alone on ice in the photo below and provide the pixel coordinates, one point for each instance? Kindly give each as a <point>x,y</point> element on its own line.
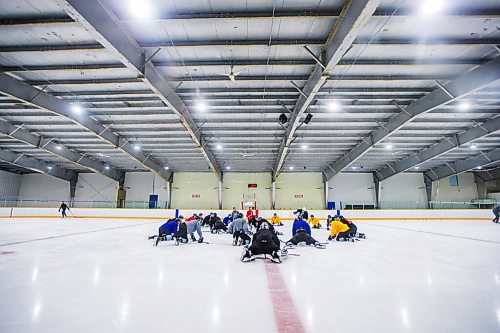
<point>63,208</point>
<point>496,211</point>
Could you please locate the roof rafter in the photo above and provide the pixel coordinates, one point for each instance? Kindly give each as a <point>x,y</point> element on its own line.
<point>52,146</point>
<point>35,164</point>
<point>446,145</point>
<point>449,169</point>
<point>355,14</point>
<point>31,95</point>
<point>457,88</point>
<point>103,25</point>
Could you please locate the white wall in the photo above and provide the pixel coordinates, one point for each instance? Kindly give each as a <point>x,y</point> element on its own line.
<point>466,191</point>
<point>10,184</point>
<point>189,184</point>
<point>139,186</point>
<point>290,186</point>
<point>236,185</point>
<point>36,186</point>
<point>407,187</point>
<point>351,188</point>
<point>94,187</point>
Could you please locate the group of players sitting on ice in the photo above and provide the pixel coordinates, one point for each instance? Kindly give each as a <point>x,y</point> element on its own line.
<point>264,240</point>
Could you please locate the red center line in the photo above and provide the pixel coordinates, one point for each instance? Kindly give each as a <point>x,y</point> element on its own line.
<point>285,314</point>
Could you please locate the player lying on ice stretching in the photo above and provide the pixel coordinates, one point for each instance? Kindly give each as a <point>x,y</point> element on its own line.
<point>240,231</point>
<point>301,233</point>
<point>189,227</point>
<point>265,242</point>
<point>166,231</point>
<point>353,229</point>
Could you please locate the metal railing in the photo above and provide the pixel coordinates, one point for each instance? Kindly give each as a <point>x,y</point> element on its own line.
<point>76,204</point>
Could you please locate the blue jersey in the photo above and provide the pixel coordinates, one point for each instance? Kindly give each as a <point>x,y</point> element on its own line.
<point>300,224</point>
<point>169,228</point>
<point>227,220</point>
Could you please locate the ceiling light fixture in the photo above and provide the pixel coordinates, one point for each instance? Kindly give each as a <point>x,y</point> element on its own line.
<point>201,106</point>
<point>291,168</point>
<point>228,168</point>
<point>431,7</point>
<point>166,167</point>
<point>137,147</point>
<point>219,147</point>
<point>304,147</point>
<point>77,108</point>
<point>464,106</point>
<point>140,9</point>
<point>388,147</point>
<point>334,105</point>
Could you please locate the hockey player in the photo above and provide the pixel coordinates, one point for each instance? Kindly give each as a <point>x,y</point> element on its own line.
<point>314,221</point>
<point>301,232</point>
<point>234,214</point>
<point>264,241</point>
<point>275,220</point>
<point>227,219</point>
<point>305,214</point>
<point>329,220</point>
<point>185,228</point>
<point>206,220</point>
<point>353,229</point>
<point>240,231</point>
<point>193,217</point>
<point>63,208</point>
<point>340,230</point>
<point>217,226</point>
<point>166,231</point>
<point>496,211</point>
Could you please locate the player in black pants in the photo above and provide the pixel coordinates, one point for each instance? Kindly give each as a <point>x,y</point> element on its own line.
<point>265,242</point>
<point>496,211</point>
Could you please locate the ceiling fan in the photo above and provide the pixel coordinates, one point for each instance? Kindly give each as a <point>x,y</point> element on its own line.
<point>101,154</point>
<point>232,75</point>
<point>245,154</point>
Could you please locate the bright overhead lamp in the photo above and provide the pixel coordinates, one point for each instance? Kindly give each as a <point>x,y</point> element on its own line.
<point>305,146</point>
<point>201,106</point>
<point>291,167</point>
<point>106,167</point>
<point>334,105</point>
<point>166,167</point>
<point>140,9</point>
<point>219,147</point>
<point>59,147</point>
<point>354,167</point>
<point>416,168</point>
<point>49,167</point>
<point>463,106</point>
<point>479,167</point>
<point>431,7</point>
<point>228,168</point>
<point>388,146</point>
<point>473,146</point>
<point>137,147</point>
<point>76,108</point>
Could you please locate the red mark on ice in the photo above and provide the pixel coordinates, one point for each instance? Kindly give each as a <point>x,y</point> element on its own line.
<point>7,252</point>
<point>286,315</point>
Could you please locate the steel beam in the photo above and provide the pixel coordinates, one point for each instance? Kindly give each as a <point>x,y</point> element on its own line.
<point>99,20</point>
<point>51,146</point>
<point>37,97</point>
<point>444,146</point>
<point>245,15</point>
<point>467,164</point>
<point>35,164</point>
<point>461,86</point>
<point>355,14</point>
<point>488,175</point>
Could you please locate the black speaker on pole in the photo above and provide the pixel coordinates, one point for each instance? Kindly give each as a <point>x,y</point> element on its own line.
<point>308,118</point>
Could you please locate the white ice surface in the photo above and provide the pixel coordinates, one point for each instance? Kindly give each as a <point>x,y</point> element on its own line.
<point>105,276</point>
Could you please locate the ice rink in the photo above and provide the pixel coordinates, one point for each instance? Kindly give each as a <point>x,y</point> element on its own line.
<point>89,275</point>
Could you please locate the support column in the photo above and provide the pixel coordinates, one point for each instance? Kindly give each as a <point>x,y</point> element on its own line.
<point>220,190</point>
<point>481,186</point>
<point>326,193</point>
<point>72,190</point>
<point>428,190</point>
<point>121,195</point>
<point>273,198</point>
<point>376,181</point>
<point>169,191</point>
